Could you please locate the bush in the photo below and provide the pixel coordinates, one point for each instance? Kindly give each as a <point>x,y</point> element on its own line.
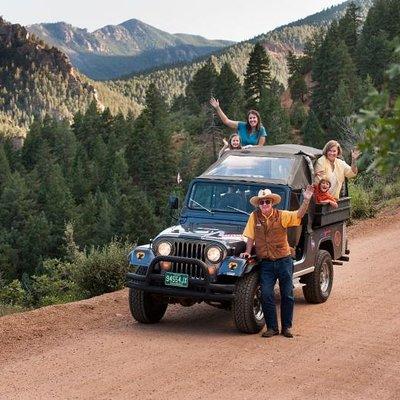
<point>102,270</point>
<point>7,310</point>
<point>381,188</point>
<point>12,294</point>
<point>362,202</point>
<point>55,285</point>
<point>386,190</point>
<point>88,274</point>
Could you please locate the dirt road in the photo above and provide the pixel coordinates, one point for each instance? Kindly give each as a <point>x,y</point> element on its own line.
<point>346,348</point>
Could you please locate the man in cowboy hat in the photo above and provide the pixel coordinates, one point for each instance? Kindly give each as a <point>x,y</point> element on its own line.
<point>266,229</point>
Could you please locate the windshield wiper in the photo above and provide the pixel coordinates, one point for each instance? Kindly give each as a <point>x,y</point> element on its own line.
<point>237,209</point>
<point>200,205</point>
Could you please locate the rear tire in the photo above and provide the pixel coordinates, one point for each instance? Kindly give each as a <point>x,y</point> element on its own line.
<point>318,284</point>
<point>145,307</point>
<point>246,307</point>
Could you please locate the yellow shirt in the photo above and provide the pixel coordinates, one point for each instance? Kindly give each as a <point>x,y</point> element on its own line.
<point>336,177</point>
<point>288,219</point>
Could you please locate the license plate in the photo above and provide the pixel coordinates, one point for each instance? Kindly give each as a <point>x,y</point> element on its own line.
<point>174,279</point>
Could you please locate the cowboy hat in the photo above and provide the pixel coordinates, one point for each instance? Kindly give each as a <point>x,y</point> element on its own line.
<point>265,194</point>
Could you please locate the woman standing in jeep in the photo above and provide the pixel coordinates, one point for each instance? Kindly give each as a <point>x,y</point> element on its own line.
<point>250,132</point>
<point>334,168</point>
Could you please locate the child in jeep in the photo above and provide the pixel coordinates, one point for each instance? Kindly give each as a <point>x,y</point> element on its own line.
<point>321,192</point>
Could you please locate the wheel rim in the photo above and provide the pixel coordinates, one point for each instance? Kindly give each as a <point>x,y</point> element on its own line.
<point>324,277</point>
<point>257,308</point>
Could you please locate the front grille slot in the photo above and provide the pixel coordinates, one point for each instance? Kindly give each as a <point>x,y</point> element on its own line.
<point>189,249</point>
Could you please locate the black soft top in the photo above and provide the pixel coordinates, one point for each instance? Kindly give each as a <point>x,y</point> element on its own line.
<point>285,164</point>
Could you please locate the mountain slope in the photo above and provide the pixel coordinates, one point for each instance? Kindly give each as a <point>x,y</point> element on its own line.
<point>173,80</point>
<point>129,47</point>
<point>36,80</point>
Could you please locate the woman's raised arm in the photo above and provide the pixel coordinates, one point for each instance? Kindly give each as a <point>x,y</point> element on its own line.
<point>224,119</point>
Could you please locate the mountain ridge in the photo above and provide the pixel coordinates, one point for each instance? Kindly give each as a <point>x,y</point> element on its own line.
<point>117,50</point>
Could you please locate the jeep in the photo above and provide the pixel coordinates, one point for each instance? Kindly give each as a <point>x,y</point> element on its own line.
<point>198,260</point>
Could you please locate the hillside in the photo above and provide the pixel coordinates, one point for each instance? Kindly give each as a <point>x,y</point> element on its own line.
<point>123,49</point>
<point>172,81</point>
<point>37,80</point>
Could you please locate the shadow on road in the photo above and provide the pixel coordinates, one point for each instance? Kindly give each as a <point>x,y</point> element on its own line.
<point>200,320</point>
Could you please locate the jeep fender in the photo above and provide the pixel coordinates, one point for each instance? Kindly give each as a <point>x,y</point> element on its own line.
<point>141,256</point>
<point>235,266</point>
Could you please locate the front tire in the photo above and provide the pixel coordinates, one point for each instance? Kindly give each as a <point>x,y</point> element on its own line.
<point>145,307</point>
<point>246,309</point>
<point>318,284</point>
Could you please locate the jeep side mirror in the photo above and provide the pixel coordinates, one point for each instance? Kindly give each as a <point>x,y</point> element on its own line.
<point>173,202</point>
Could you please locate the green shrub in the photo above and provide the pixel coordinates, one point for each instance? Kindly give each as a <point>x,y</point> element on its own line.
<point>12,294</point>
<point>102,270</point>
<point>55,285</point>
<point>381,188</point>
<point>362,202</point>
<point>387,190</point>
<point>7,310</point>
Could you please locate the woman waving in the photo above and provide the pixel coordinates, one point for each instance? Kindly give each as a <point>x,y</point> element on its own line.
<point>250,132</point>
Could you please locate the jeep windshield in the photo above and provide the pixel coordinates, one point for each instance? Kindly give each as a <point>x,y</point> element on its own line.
<point>268,168</point>
<point>219,196</point>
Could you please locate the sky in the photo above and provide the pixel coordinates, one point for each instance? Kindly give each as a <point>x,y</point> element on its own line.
<point>214,19</point>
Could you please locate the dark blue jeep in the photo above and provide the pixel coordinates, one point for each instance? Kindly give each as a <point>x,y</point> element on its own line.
<point>198,259</point>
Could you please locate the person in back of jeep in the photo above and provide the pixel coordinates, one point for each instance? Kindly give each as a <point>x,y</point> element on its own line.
<point>250,132</point>
<point>267,229</point>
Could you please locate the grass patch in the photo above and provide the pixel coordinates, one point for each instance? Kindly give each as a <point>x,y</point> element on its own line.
<point>7,310</point>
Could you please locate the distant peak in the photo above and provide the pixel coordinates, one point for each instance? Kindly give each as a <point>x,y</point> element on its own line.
<point>133,23</point>
<point>59,23</point>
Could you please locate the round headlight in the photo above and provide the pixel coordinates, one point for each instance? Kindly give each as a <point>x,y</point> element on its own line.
<point>164,248</point>
<point>214,254</point>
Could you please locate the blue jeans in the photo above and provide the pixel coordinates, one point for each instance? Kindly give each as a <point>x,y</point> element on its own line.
<point>270,271</point>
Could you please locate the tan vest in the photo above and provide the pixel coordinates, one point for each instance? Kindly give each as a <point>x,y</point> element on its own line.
<point>270,236</point>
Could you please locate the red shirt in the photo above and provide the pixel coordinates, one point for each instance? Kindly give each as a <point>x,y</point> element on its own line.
<point>322,196</point>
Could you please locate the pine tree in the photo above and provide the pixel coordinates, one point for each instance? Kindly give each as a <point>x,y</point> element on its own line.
<point>274,118</point>
<point>375,51</point>
<point>32,145</point>
<point>342,107</point>
<point>136,218</point>
<point>5,171</point>
<point>17,207</point>
<point>332,64</point>
<point>81,181</point>
<point>55,200</point>
<point>229,91</point>
<point>297,85</point>
<point>102,230</point>
<point>88,126</point>
<point>257,76</point>
<point>349,26</point>
<point>150,156</point>
<point>313,134</point>
<point>298,114</point>
<point>203,83</point>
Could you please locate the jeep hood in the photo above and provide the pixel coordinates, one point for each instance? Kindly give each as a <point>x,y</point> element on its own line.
<point>218,232</point>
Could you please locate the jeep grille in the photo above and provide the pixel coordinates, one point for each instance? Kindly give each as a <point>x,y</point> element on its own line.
<point>189,249</point>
